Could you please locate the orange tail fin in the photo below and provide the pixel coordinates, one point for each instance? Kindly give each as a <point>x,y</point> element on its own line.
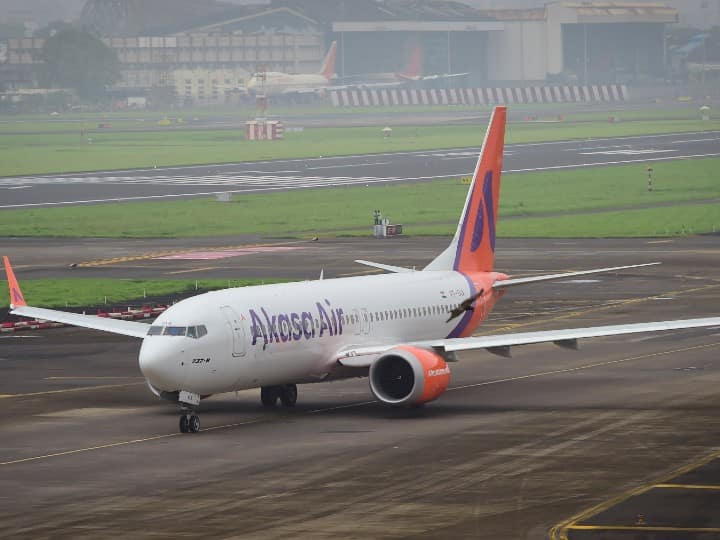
<point>473,246</point>
<point>16,296</point>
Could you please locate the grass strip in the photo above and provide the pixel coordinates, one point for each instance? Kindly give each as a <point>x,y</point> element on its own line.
<point>80,292</point>
<point>69,152</point>
<point>426,207</point>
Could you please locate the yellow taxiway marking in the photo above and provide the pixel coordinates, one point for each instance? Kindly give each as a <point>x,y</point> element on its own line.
<point>660,242</point>
<point>192,270</point>
<point>684,486</point>
<point>559,531</point>
<point>88,449</point>
<point>642,528</point>
<point>67,390</point>
<point>146,256</point>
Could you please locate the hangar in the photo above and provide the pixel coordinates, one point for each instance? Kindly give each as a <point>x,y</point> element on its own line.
<point>203,58</point>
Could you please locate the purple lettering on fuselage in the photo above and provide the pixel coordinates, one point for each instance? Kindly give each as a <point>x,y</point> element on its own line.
<point>286,327</point>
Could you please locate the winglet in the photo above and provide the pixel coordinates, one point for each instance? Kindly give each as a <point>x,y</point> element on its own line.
<point>16,296</point>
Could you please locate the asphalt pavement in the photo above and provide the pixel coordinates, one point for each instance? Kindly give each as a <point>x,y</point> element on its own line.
<point>550,441</point>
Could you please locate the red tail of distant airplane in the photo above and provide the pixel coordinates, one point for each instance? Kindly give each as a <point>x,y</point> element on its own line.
<point>327,69</point>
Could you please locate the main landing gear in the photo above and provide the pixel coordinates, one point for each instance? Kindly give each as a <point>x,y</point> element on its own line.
<point>189,421</point>
<point>286,393</point>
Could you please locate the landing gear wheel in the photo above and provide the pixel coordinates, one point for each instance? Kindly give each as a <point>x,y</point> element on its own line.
<point>194,423</point>
<point>288,395</point>
<point>269,395</point>
<point>184,424</point>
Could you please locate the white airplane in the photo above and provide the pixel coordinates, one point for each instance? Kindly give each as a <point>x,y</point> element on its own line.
<point>411,74</point>
<point>273,83</point>
<point>400,329</point>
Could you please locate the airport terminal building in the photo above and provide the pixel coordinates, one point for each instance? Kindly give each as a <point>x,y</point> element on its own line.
<point>205,59</point>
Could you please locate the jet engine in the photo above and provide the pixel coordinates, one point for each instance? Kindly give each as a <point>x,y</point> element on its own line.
<point>407,375</point>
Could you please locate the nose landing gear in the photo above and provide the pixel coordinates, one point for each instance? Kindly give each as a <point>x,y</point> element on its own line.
<point>286,393</point>
<point>189,421</point>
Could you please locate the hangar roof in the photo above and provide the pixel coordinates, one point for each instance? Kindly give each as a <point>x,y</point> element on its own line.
<point>599,12</point>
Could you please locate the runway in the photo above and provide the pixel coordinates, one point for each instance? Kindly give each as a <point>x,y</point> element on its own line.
<point>517,446</point>
<point>267,176</point>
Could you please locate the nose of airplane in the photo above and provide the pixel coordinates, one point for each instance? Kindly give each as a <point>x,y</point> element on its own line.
<point>160,365</point>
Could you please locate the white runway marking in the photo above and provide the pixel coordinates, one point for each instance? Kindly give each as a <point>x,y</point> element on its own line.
<point>627,152</point>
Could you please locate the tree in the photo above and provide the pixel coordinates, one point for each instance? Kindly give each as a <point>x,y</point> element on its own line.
<point>78,60</point>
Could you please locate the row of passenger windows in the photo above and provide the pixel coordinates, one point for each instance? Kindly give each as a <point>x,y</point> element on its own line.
<point>401,313</point>
<point>195,332</point>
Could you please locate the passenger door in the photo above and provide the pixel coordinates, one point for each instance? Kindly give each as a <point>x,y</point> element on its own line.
<point>237,329</point>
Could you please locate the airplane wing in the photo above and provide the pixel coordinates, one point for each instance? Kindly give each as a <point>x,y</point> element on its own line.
<point>500,344</point>
<point>18,306</point>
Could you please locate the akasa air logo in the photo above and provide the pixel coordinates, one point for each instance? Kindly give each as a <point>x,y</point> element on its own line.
<point>17,297</point>
<point>485,208</point>
<point>285,327</point>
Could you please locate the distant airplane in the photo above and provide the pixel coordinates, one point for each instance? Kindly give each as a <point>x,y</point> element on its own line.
<point>274,83</point>
<point>402,329</point>
<point>411,74</point>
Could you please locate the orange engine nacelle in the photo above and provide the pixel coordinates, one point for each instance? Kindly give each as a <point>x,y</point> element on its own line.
<point>408,376</point>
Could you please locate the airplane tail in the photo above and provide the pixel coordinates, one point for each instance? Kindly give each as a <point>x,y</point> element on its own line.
<point>414,67</point>
<point>473,246</point>
<point>327,69</point>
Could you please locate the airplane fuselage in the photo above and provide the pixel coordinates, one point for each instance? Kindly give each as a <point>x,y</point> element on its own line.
<point>275,83</point>
<point>293,332</point>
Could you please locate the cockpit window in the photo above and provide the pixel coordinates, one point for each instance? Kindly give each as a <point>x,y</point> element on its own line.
<point>175,330</point>
<point>196,332</point>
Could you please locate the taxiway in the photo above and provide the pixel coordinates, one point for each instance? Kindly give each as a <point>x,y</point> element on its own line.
<point>547,438</point>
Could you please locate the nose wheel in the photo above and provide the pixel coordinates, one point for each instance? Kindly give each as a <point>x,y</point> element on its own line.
<point>189,421</point>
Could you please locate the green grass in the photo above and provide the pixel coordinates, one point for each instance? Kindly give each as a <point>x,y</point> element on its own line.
<point>67,152</point>
<point>677,220</point>
<point>430,207</point>
<point>92,292</point>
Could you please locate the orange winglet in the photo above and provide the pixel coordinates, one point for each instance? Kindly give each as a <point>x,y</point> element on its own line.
<point>16,296</point>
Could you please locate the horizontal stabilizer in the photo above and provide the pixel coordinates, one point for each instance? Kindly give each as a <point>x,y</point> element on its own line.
<point>386,267</point>
<point>551,277</point>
